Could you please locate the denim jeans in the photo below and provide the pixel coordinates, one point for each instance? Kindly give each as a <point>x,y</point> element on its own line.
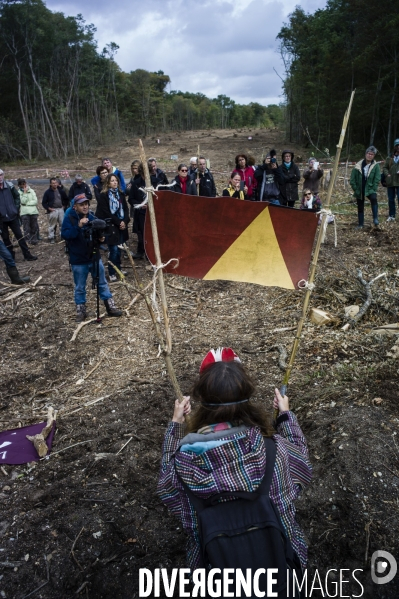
<point>6,256</point>
<point>80,274</point>
<point>16,229</point>
<point>115,255</point>
<point>392,192</point>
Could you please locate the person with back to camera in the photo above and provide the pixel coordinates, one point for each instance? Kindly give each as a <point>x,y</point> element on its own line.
<point>269,180</point>
<point>112,207</point>
<point>222,448</point>
<point>236,187</point>
<point>290,179</point>
<point>365,178</point>
<point>74,229</point>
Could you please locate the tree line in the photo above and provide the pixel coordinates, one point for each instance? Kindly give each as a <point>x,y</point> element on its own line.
<point>61,95</point>
<point>350,44</point>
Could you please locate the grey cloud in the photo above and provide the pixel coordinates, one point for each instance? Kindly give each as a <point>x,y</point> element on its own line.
<point>210,47</point>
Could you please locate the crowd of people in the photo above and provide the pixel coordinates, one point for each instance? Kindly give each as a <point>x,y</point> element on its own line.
<point>276,181</point>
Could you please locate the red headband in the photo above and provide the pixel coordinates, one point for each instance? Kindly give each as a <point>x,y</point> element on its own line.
<point>221,354</point>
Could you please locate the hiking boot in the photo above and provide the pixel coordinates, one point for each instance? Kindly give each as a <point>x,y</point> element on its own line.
<point>16,279</point>
<point>80,312</point>
<point>391,219</point>
<point>29,257</point>
<point>112,310</point>
<point>113,278</point>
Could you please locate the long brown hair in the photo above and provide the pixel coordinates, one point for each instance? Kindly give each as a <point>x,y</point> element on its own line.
<point>222,383</point>
<point>107,181</point>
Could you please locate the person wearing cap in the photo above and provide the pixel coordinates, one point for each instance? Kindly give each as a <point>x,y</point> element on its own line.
<point>227,417</point>
<point>29,212</point>
<point>10,205</point>
<point>78,187</point>
<point>312,176</point>
<point>55,201</point>
<point>74,230</point>
<point>391,172</point>
<point>365,178</point>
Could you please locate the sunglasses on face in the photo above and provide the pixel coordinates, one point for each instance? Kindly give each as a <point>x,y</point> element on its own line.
<point>307,194</point>
<point>184,170</point>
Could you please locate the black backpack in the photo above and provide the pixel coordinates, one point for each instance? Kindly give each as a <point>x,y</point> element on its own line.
<point>247,533</point>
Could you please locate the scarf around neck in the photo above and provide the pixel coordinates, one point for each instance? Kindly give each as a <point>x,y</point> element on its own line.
<point>115,204</point>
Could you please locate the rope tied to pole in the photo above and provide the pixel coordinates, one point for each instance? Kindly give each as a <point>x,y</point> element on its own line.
<point>330,218</point>
<point>154,284</point>
<point>146,190</point>
<point>302,284</point>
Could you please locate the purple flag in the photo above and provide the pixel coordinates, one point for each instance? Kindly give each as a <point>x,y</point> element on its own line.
<point>15,448</point>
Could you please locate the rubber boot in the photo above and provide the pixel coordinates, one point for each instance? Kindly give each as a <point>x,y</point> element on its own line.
<point>374,209</point>
<point>80,312</point>
<point>28,256</point>
<point>16,279</point>
<point>361,220</point>
<point>112,310</point>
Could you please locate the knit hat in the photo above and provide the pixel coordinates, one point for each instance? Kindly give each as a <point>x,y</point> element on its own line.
<point>372,149</point>
<point>396,142</point>
<point>221,354</point>
<point>78,178</point>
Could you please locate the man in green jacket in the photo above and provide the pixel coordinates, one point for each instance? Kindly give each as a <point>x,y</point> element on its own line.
<point>391,172</point>
<point>364,181</point>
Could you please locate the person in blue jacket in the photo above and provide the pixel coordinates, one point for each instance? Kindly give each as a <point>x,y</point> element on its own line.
<point>74,227</point>
<point>112,170</point>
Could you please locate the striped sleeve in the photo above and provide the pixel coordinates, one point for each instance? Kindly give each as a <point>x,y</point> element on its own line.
<point>295,443</point>
<point>167,488</point>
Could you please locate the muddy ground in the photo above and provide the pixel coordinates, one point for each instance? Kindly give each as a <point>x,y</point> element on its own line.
<point>344,389</point>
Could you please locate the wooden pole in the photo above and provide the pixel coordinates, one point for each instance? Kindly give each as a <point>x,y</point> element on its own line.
<point>198,155</point>
<point>313,264</point>
<point>165,347</point>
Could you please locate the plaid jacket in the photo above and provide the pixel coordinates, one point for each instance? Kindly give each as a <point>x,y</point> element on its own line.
<point>238,465</point>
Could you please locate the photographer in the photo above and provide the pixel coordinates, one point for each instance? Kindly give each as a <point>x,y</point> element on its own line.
<point>312,175</point>
<point>269,179</point>
<point>76,231</point>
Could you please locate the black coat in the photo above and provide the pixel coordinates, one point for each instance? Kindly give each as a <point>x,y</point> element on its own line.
<point>191,189</point>
<point>207,187</point>
<point>270,179</point>
<point>77,188</point>
<point>158,178</point>
<point>114,234</point>
<point>290,179</point>
<point>48,199</point>
<point>136,196</point>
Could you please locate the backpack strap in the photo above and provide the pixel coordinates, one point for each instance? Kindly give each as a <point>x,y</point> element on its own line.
<point>271,451</point>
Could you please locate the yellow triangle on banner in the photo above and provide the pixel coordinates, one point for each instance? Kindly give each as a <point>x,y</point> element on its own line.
<point>254,257</point>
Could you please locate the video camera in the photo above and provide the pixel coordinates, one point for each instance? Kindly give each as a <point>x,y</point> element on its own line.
<point>95,230</point>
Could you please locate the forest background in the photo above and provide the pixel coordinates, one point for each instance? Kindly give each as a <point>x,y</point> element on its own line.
<point>62,96</point>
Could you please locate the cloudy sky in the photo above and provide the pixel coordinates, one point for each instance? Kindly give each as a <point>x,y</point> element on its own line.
<point>209,46</point>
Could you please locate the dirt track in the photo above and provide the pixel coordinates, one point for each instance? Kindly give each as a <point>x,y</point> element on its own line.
<point>350,510</point>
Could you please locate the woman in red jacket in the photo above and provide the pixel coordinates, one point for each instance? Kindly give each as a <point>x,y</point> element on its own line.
<point>247,174</point>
